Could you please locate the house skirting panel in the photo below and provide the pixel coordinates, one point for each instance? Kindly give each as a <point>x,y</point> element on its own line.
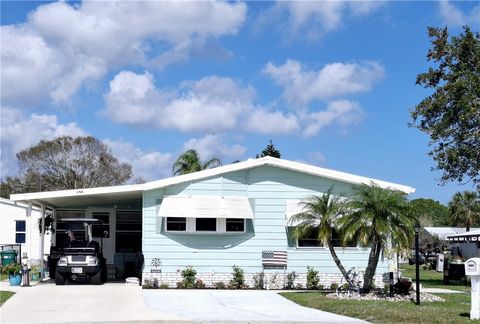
<point>272,280</point>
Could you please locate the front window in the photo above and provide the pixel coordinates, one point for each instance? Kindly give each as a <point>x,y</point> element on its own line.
<point>206,224</point>
<point>20,232</point>
<point>178,224</point>
<point>311,240</point>
<point>235,225</point>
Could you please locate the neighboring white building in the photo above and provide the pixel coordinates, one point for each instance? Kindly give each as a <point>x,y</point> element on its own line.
<point>444,232</point>
<point>16,227</point>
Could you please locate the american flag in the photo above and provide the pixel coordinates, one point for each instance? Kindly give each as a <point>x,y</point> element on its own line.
<point>274,258</point>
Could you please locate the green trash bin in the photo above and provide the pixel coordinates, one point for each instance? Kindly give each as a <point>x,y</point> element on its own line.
<point>8,256</point>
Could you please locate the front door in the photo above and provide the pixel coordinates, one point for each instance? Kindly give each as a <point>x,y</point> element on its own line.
<point>106,215</point>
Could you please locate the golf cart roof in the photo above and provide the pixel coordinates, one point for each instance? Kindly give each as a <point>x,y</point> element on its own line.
<point>80,220</point>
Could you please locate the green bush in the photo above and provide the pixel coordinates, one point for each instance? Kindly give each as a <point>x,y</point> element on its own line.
<point>334,286</point>
<point>164,286</point>
<point>238,280</point>
<point>290,283</point>
<point>312,278</point>
<point>190,280</point>
<point>155,283</point>
<point>299,286</point>
<point>219,285</point>
<point>345,286</point>
<point>259,281</point>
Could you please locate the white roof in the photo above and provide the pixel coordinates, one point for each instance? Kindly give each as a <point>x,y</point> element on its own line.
<point>279,163</point>
<point>474,233</point>
<point>444,232</point>
<point>104,194</point>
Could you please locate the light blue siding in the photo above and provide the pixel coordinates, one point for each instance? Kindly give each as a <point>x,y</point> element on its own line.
<point>268,189</point>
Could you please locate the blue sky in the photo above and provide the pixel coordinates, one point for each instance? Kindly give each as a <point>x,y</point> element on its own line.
<point>331,83</point>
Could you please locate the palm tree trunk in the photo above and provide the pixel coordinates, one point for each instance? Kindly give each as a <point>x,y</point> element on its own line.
<point>337,261</point>
<point>372,264</point>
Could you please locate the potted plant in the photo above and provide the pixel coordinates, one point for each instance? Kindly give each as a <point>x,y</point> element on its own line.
<point>14,274</point>
<point>35,273</point>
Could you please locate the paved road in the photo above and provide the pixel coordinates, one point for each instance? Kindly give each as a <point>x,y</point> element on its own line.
<point>237,306</point>
<point>114,302</point>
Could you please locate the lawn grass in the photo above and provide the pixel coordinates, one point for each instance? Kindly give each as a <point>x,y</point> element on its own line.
<point>455,309</point>
<point>5,295</point>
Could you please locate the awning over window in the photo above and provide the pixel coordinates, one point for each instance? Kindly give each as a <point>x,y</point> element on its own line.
<point>292,207</point>
<point>206,207</point>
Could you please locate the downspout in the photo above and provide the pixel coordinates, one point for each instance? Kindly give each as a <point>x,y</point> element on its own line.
<point>29,230</point>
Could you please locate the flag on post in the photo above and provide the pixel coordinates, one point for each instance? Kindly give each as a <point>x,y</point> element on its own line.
<point>274,258</point>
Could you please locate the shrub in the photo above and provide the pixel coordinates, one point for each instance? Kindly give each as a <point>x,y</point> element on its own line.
<point>312,278</point>
<point>219,285</point>
<point>290,284</point>
<point>402,287</point>
<point>155,283</point>
<point>147,284</point>
<point>238,280</point>
<point>259,281</point>
<point>345,286</point>
<point>299,286</point>
<point>190,280</point>
<point>200,284</point>
<point>334,286</point>
<point>164,286</point>
<point>321,287</point>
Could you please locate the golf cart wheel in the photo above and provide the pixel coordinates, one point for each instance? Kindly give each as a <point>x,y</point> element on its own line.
<point>96,279</point>
<point>59,278</point>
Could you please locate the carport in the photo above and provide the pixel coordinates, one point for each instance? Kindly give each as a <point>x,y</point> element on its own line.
<point>119,207</point>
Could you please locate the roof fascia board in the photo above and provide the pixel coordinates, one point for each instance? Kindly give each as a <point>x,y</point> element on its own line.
<point>75,192</point>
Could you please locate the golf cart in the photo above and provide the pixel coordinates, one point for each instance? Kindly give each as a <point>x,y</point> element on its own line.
<point>75,255</point>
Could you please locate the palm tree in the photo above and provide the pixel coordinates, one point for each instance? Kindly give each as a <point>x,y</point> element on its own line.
<point>190,161</point>
<point>319,215</point>
<point>465,209</point>
<point>377,218</point>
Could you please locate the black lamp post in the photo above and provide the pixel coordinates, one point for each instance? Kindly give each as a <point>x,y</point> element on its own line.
<point>417,267</point>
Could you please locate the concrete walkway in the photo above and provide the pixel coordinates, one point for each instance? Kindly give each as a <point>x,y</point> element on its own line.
<point>440,291</point>
<point>237,306</point>
<point>47,303</point>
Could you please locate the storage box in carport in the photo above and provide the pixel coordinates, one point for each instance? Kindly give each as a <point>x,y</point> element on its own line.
<point>8,256</point>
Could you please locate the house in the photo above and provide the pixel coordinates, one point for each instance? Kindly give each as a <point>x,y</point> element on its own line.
<point>235,214</point>
<point>444,232</point>
<point>19,228</point>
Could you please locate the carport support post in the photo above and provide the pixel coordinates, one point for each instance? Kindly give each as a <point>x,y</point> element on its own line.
<point>42,240</point>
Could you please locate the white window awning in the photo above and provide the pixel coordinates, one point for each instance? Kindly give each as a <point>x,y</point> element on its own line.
<point>292,207</point>
<point>206,207</point>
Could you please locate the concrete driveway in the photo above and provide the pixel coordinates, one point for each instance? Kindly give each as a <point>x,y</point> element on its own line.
<point>244,306</point>
<point>80,303</point>
<point>117,302</point>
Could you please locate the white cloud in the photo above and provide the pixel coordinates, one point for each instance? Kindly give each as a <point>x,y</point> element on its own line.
<point>300,86</point>
<point>342,113</point>
<point>453,16</point>
<point>213,145</point>
<point>315,18</point>
<point>316,157</point>
<point>19,132</point>
<point>69,45</point>
<point>212,104</point>
<point>266,122</point>
<point>150,165</point>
